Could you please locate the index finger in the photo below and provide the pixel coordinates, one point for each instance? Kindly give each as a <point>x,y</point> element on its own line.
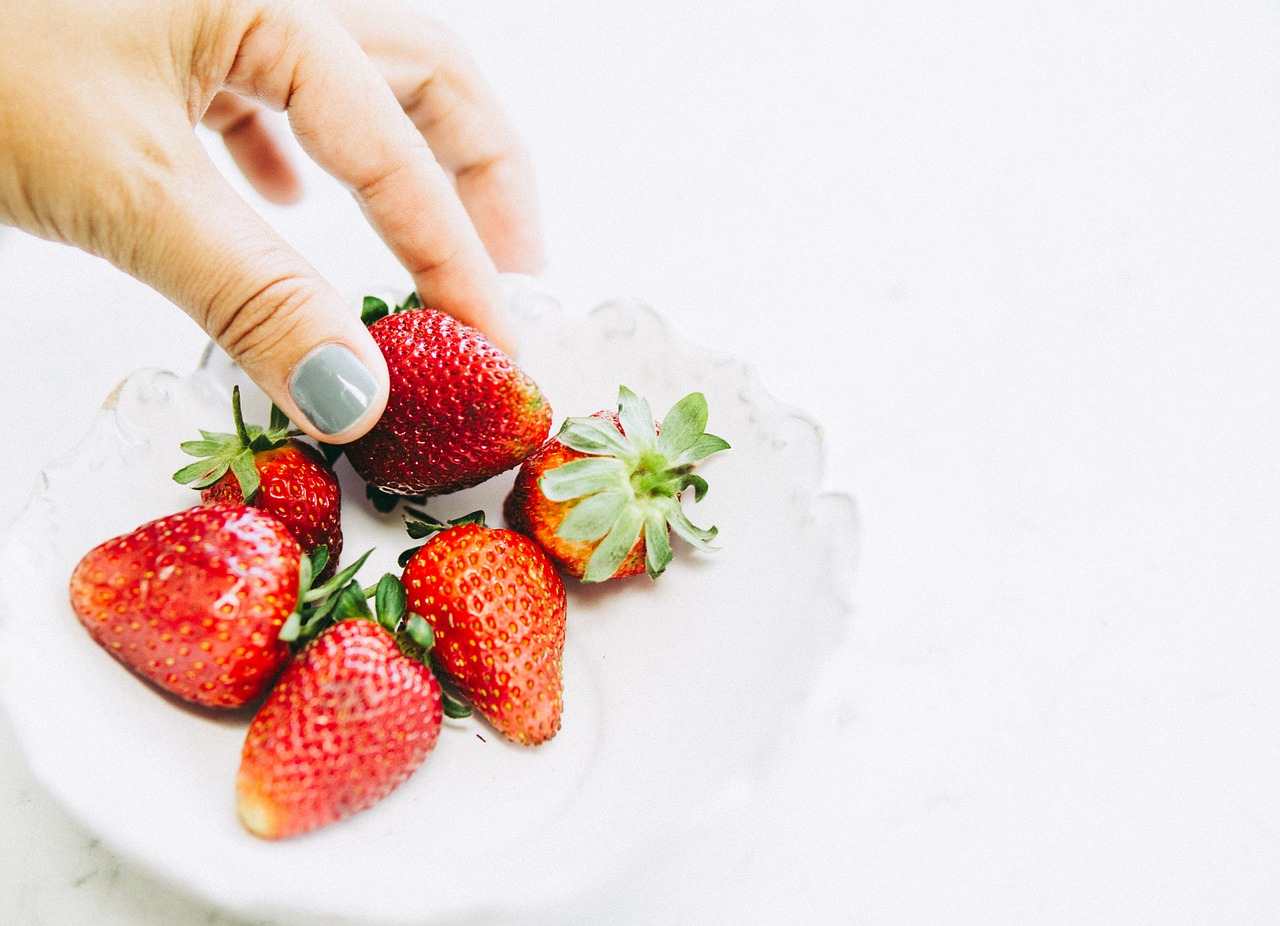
<point>442,90</point>
<point>297,57</point>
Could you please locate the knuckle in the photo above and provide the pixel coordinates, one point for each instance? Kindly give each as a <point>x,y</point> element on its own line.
<point>488,164</point>
<point>388,172</point>
<point>264,62</point>
<point>254,322</point>
<point>438,264</point>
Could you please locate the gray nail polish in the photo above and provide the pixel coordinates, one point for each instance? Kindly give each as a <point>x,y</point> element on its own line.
<point>332,388</point>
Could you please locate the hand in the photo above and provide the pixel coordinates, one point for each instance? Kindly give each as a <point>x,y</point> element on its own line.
<point>98,100</point>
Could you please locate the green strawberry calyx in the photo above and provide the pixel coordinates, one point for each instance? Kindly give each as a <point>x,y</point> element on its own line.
<point>630,482</point>
<point>342,598</point>
<point>374,308</point>
<point>317,605</point>
<point>219,452</point>
<point>421,526</point>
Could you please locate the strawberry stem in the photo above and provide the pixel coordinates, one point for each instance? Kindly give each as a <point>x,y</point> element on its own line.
<point>238,417</point>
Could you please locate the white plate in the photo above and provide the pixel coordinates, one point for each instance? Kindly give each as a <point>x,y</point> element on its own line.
<point>677,692</point>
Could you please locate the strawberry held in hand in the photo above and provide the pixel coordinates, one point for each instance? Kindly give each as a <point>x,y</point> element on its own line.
<point>459,412</point>
<point>601,495</point>
<point>273,471</point>
<point>497,607</point>
<point>352,717</point>
<point>195,602</point>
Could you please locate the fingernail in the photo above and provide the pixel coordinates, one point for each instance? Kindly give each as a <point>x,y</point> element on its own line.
<point>332,388</point>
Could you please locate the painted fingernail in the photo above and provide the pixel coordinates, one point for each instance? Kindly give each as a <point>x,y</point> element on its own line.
<point>332,388</point>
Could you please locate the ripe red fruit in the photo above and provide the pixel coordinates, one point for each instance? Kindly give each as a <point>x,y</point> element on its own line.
<point>271,470</point>
<point>601,495</point>
<point>497,607</point>
<point>459,412</point>
<point>195,602</point>
<point>352,717</point>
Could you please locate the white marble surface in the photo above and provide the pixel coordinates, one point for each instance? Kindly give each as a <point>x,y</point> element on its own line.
<point>1021,262</point>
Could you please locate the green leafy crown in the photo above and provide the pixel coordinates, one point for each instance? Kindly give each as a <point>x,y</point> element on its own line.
<point>342,598</point>
<point>221,452</point>
<point>373,308</point>
<point>629,485</point>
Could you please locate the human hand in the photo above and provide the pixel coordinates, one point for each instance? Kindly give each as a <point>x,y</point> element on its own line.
<point>98,100</point>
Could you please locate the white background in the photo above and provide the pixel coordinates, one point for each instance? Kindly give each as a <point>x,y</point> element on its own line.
<point>1022,261</point>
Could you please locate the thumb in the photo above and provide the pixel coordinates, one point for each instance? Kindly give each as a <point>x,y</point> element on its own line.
<point>267,307</point>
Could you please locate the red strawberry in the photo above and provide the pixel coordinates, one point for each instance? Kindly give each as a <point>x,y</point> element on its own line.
<point>352,717</point>
<point>460,410</point>
<point>195,601</point>
<point>497,607</point>
<point>601,494</point>
<point>272,471</point>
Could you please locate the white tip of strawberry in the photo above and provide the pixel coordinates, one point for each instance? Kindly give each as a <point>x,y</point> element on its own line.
<point>257,815</point>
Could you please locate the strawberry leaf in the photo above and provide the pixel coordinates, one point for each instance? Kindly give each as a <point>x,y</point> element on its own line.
<point>683,424</point>
<point>383,502</point>
<point>419,524</point>
<point>419,630</point>
<point>316,562</point>
<point>699,485</point>
<point>389,602</point>
<point>680,523</point>
<point>453,707</point>
<point>584,477</point>
<point>200,448</point>
<point>306,574</point>
<point>657,547</point>
<point>453,703</point>
<point>352,603</point>
<point>701,448</point>
<point>292,628</point>
<point>246,474</point>
<point>596,436</point>
<point>202,473</point>
<point>373,309</point>
<point>636,418</point>
<point>279,420</point>
<point>337,581</point>
<point>594,516</point>
<point>608,556</point>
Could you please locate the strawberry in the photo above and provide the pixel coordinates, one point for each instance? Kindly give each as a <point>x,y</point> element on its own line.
<point>497,607</point>
<point>352,717</point>
<point>196,601</point>
<point>271,470</point>
<point>459,412</point>
<point>602,494</point>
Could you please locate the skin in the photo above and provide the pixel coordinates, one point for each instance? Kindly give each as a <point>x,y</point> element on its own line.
<point>98,104</point>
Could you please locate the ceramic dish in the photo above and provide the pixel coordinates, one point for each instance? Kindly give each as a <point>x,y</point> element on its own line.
<point>676,692</point>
